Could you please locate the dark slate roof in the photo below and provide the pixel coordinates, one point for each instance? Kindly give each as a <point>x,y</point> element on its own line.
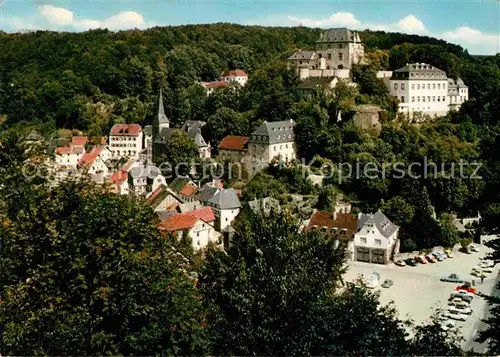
<point>274,132</point>
<point>148,130</point>
<point>192,126</point>
<point>206,193</point>
<point>339,35</point>
<point>199,141</point>
<point>164,135</point>
<point>162,117</point>
<point>178,183</point>
<point>302,55</point>
<point>384,225</point>
<point>225,199</point>
<point>315,83</point>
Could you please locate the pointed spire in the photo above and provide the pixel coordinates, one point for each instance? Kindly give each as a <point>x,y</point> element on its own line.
<point>162,117</point>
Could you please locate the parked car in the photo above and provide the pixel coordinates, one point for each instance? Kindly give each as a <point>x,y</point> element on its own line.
<point>400,263</point>
<point>411,262</point>
<point>464,309</point>
<point>449,253</point>
<point>464,250</point>
<point>461,295</point>
<point>466,288</point>
<point>452,278</point>
<point>473,248</point>
<point>372,281</point>
<point>430,258</point>
<point>439,256</point>
<point>478,273</point>
<point>421,259</point>
<point>458,301</point>
<point>487,263</point>
<point>455,315</point>
<point>446,324</point>
<point>487,269</point>
<point>387,283</point>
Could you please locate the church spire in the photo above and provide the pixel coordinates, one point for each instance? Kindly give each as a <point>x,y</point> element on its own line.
<point>162,117</point>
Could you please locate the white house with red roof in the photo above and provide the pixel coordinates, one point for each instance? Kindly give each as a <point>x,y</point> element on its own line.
<point>119,182</point>
<point>235,76</point>
<point>95,161</point>
<point>211,86</point>
<point>126,140</point>
<point>68,156</point>
<point>198,225</point>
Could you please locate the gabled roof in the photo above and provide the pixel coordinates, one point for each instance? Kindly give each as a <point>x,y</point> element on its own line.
<point>316,83</point>
<point>119,177</point>
<point>90,157</point>
<point>64,150</point>
<point>225,199</point>
<point>302,55</point>
<point>164,135</point>
<point>79,140</point>
<point>233,143</point>
<point>234,73</point>
<point>339,225</point>
<point>205,214</point>
<point>33,136</point>
<point>206,193</point>
<point>157,196</point>
<point>384,225</point>
<point>339,35</point>
<point>199,141</point>
<point>273,132</point>
<point>126,130</point>
<point>215,85</point>
<point>189,190</point>
<point>179,183</point>
<point>189,206</point>
<point>419,67</point>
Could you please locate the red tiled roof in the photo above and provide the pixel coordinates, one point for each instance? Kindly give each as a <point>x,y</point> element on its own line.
<point>155,193</point>
<point>178,222</point>
<point>64,150</point>
<point>126,130</point>
<point>189,190</point>
<point>79,140</point>
<point>342,221</point>
<point>206,214</point>
<point>234,73</point>
<point>119,177</point>
<point>89,158</point>
<point>233,143</point>
<point>215,85</point>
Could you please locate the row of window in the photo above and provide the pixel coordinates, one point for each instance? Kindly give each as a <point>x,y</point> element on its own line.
<point>124,145</point>
<point>340,56</point>
<point>377,241</point>
<point>419,86</point>
<point>123,138</point>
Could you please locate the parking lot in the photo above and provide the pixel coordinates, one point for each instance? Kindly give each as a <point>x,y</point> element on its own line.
<point>417,291</point>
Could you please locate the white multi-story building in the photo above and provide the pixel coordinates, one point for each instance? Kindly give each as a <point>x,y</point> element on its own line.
<point>126,140</point>
<point>422,88</point>
<point>337,48</point>
<point>236,76</point>
<point>270,141</point>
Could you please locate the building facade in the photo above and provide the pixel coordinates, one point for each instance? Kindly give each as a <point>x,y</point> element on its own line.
<point>125,140</point>
<point>422,88</point>
<point>376,239</point>
<point>271,141</point>
<point>235,76</point>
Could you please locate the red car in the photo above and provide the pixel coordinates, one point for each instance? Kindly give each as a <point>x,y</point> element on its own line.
<point>469,289</point>
<point>421,259</point>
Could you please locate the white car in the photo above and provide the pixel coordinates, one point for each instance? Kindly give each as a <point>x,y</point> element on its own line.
<point>473,248</point>
<point>461,309</point>
<point>459,301</point>
<point>372,281</point>
<point>487,269</point>
<point>487,264</point>
<point>447,324</point>
<point>455,315</point>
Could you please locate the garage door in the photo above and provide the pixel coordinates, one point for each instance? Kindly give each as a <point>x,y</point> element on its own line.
<point>378,256</point>
<point>363,254</point>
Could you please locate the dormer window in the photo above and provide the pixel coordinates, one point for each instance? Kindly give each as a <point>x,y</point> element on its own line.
<point>323,229</point>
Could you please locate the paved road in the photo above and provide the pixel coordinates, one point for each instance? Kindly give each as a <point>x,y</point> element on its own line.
<point>417,291</point>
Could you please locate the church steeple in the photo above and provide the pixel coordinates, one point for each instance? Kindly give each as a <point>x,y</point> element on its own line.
<point>163,121</point>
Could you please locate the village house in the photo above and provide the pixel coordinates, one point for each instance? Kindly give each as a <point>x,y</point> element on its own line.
<point>125,140</point>
<point>211,86</point>
<point>423,88</point>
<point>233,148</point>
<point>226,207</point>
<point>376,239</point>
<point>94,162</point>
<point>69,156</point>
<point>198,225</point>
<point>341,226</point>
<point>119,182</point>
<point>271,141</point>
<point>336,49</point>
<point>163,199</point>
<point>309,86</point>
<point>143,180</point>
<point>235,76</point>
